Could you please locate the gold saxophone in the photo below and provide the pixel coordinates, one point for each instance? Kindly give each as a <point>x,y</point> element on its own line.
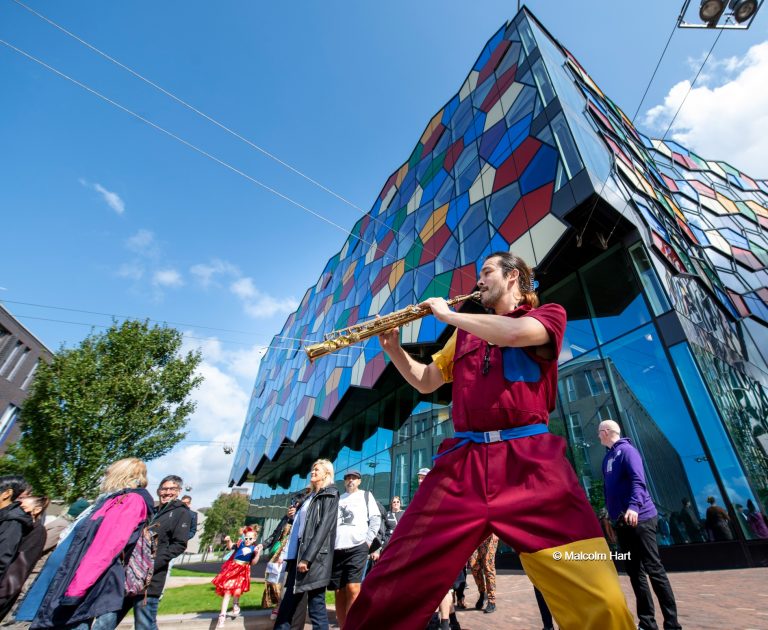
<point>354,334</point>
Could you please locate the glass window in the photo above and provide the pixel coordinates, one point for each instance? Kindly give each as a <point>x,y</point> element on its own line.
<point>567,147</point>
<point>570,384</point>
<point>614,295</point>
<point>525,33</point>
<point>597,382</point>
<point>542,81</point>
<point>650,280</point>
<point>579,334</point>
<point>711,425</point>
<point>652,413</point>
<point>10,415</point>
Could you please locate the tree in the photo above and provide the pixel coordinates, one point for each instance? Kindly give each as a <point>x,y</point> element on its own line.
<point>226,516</point>
<point>120,393</point>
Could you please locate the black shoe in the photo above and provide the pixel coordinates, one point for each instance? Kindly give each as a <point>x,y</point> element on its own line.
<point>490,608</point>
<point>480,602</point>
<point>454,622</point>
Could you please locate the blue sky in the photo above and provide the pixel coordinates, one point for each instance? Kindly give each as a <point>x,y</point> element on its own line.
<point>104,213</point>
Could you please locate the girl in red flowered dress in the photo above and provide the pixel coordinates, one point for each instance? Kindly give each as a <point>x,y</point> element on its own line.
<point>234,579</point>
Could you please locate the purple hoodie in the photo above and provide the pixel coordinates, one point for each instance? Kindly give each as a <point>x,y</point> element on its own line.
<point>625,487</point>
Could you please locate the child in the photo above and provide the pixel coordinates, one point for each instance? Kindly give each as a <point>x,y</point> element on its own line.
<point>275,572</point>
<point>234,579</point>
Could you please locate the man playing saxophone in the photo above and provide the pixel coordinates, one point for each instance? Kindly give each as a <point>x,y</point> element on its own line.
<point>502,473</point>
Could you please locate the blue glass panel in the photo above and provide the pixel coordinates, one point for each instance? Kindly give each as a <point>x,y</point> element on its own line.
<point>450,110</point>
<point>490,140</point>
<point>465,159</point>
<point>711,425</point>
<point>654,416</point>
<point>474,244</point>
<point>476,128</point>
<point>614,296</point>
<point>502,202</point>
<point>540,170</point>
<point>523,105</point>
<point>489,48</point>
<point>497,244</point>
<point>462,119</point>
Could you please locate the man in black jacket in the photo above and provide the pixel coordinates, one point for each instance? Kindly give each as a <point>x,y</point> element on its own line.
<point>14,522</point>
<point>171,523</point>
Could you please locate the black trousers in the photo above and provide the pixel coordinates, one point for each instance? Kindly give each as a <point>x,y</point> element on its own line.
<point>642,564</point>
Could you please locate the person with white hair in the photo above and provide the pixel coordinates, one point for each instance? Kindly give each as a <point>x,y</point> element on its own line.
<point>635,520</point>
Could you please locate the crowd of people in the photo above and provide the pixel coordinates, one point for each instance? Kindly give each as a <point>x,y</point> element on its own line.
<point>97,561</point>
<point>502,476</point>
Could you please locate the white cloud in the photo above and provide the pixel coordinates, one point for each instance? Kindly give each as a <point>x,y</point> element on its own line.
<point>256,303</point>
<point>112,199</point>
<point>244,289</point>
<point>132,271</point>
<point>206,272</point>
<point>167,278</point>
<point>143,242</point>
<point>222,402</point>
<point>725,117</point>
<point>263,305</point>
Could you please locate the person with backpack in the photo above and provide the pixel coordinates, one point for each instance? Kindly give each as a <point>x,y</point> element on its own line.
<point>358,526</point>
<point>89,587</point>
<point>170,524</point>
<point>234,579</point>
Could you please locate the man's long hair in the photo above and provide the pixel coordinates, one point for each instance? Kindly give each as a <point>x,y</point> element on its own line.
<point>509,262</point>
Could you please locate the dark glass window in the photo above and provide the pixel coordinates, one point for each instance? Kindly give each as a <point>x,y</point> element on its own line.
<point>614,296</point>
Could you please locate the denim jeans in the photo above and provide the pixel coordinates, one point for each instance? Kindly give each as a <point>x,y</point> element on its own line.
<point>318,613</point>
<point>145,613</point>
<point>107,621</point>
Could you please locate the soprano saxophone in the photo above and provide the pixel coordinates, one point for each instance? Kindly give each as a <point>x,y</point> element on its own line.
<point>345,337</point>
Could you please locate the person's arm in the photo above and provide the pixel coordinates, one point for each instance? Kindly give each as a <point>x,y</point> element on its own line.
<point>374,520</point>
<point>633,465</point>
<point>424,378</point>
<point>9,544</point>
<point>110,539</point>
<point>177,541</point>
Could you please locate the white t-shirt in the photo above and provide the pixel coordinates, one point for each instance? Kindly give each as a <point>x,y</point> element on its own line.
<point>354,526</point>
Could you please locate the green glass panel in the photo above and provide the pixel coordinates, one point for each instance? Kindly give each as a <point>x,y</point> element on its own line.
<point>437,286</point>
<point>433,170</point>
<point>399,219</point>
<point>415,156</point>
<point>414,255</point>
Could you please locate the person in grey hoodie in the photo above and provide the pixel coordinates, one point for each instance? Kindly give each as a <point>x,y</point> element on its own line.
<point>634,516</point>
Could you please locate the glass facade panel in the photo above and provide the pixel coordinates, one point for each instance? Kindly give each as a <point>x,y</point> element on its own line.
<point>567,147</point>
<point>653,289</point>
<point>653,414</point>
<point>614,296</point>
<point>724,457</point>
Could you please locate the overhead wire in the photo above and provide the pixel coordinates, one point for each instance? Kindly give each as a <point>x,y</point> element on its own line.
<point>188,336</point>
<point>224,127</point>
<point>671,122</point>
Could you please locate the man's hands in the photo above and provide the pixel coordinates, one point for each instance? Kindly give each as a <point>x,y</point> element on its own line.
<point>291,512</point>
<point>630,518</point>
<point>375,555</point>
<point>303,566</point>
<point>440,308</point>
<point>390,340</point>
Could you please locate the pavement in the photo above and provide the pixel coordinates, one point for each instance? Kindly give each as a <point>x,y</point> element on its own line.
<point>721,600</point>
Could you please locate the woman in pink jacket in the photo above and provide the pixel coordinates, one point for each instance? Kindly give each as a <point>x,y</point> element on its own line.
<point>88,589</point>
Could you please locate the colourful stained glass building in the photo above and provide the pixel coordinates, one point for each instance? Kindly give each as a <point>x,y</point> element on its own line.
<point>659,256</point>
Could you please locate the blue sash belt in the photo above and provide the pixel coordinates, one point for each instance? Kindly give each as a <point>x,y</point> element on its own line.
<point>488,437</point>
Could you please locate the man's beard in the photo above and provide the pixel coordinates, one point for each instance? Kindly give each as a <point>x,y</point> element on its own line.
<point>490,297</point>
